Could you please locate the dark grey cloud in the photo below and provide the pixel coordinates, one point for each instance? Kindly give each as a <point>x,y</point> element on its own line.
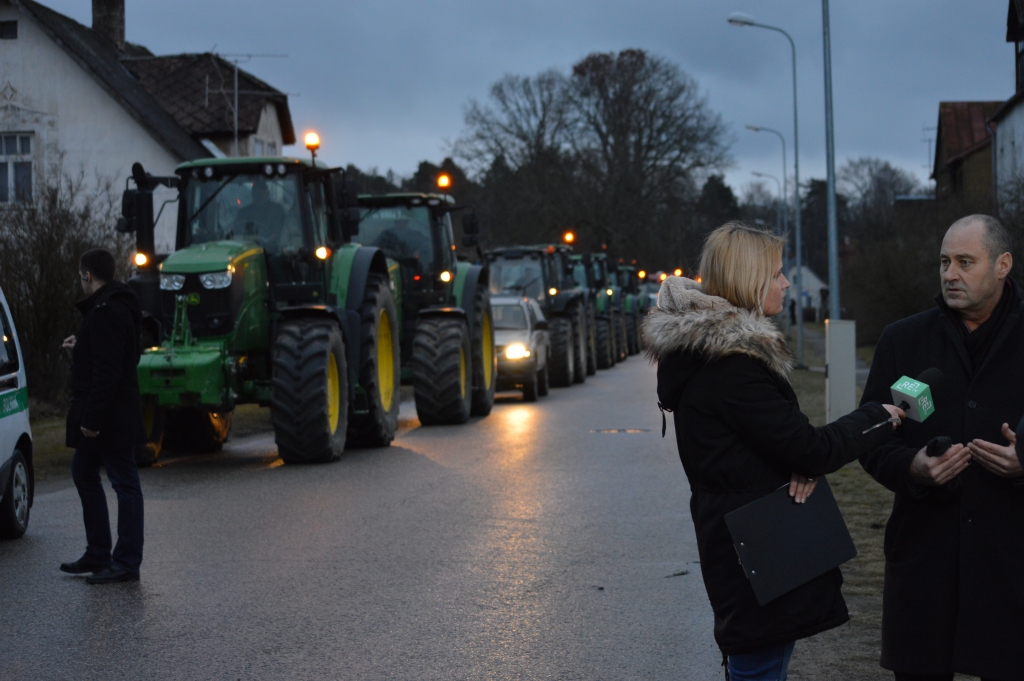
<point>385,82</point>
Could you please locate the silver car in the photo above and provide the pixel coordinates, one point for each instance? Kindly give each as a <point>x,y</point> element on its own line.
<point>16,475</point>
<point>523,344</point>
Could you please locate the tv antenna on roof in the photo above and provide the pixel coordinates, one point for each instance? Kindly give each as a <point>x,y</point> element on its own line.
<point>237,59</point>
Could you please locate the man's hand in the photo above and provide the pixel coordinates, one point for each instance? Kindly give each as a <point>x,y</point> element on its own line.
<point>90,433</point>
<point>932,471</point>
<point>998,459</point>
<point>69,343</point>
<point>800,487</point>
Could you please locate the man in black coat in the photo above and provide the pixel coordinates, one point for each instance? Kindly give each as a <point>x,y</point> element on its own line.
<point>954,544</point>
<point>105,420</point>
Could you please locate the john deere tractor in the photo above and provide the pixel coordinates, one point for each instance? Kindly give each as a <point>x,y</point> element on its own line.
<point>266,299</point>
<point>445,331</point>
<point>591,270</point>
<point>544,273</point>
<point>625,277</point>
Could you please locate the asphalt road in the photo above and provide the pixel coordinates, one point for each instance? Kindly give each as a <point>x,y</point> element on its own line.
<point>527,545</point>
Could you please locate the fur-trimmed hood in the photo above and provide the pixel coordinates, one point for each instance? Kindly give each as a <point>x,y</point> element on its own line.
<point>688,320</point>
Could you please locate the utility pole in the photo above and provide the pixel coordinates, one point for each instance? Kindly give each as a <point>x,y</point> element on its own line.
<point>830,161</point>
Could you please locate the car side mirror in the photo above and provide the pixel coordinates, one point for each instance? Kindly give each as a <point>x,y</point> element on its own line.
<point>541,325</point>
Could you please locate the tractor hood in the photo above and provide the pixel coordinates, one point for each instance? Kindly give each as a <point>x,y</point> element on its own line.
<point>214,256</point>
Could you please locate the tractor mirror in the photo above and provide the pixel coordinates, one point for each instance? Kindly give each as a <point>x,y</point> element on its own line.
<point>470,223</point>
<point>126,223</point>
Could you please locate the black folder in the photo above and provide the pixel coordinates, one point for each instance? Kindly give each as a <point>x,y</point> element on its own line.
<point>783,544</point>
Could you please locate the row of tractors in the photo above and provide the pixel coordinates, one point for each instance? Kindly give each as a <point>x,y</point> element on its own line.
<point>288,289</point>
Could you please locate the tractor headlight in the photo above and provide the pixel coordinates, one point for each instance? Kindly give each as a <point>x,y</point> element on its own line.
<point>215,280</point>
<point>172,282</point>
<point>517,351</point>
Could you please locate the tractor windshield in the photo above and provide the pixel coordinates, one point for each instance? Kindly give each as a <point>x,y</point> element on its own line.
<point>402,232</point>
<point>579,273</point>
<point>509,317</point>
<point>522,276</point>
<point>246,207</point>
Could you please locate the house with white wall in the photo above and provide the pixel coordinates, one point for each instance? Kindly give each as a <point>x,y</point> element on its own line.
<point>85,101</point>
<point>1007,123</point>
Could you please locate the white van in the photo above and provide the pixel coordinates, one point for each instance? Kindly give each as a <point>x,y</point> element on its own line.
<point>16,475</point>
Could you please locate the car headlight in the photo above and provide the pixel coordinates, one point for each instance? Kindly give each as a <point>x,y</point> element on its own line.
<point>215,279</point>
<point>517,351</point>
<point>172,282</point>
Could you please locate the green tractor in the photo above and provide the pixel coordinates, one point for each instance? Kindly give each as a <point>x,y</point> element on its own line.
<point>544,273</point>
<point>265,300</point>
<point>625,277</point>
<point>446,331</point>
<point>590,270</point>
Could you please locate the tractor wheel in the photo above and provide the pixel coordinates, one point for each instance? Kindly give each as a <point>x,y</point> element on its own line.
<point>563,345</point>
<point>579,335</point>
<point>591,341</point>
<point>605,356</point>
<point>309,405</point>
<point>194,431</point>
<point>442,371</point>
<point>379,369</point>
<point>632,338</point>
<point>530,387</point>
<point>544,379</point>
<point>485,358</point>
<point>621,345</point>
<point>153,419</point>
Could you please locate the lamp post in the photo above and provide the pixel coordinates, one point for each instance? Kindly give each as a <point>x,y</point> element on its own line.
<point>779,220</point>
<point>785,185</point>
<point>830,160</point>
<point>741,19</point>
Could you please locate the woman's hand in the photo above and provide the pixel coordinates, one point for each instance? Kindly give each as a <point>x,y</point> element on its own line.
<point>800,487</point>
<point>895,413</point>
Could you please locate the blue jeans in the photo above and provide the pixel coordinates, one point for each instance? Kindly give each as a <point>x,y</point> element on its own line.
<point>124,478</point>
<point>770,664</point>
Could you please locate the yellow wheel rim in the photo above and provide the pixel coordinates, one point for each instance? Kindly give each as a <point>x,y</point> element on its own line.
<point>462,371</point>
<point>488,351</point>
<point>333,394</point>
<point>385,361</point>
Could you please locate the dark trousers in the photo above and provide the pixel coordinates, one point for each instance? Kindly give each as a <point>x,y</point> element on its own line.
<point>124,478</point>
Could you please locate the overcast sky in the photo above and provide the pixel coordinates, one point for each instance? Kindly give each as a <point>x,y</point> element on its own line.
<point>385,82</point>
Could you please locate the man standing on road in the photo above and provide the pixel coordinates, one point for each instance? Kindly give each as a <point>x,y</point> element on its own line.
<point>954,590</point>
<point>105,420</point>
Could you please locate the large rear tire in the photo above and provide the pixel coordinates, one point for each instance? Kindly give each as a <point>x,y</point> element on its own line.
<point>442,371</point>
<point>194,431</point>
<point>379,369</point>
<point>605,350</point>
<point>591,341</point>
<point>563,345</point>
<point>309,406</point>
<point>485,358</point>
<point>579,335</point>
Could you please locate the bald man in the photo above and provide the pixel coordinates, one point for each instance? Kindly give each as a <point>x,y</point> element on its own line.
<point>954,544</point>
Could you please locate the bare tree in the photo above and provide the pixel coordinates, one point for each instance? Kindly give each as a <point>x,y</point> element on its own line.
<point>871,186</point>
<point>40,243</point>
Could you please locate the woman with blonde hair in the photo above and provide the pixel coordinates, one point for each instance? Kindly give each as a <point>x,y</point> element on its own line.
<point>723,370</point>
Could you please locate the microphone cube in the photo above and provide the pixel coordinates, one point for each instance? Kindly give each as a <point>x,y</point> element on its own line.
<point>915,393</point>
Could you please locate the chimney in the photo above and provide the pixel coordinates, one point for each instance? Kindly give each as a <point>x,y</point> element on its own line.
<point>108,21</point>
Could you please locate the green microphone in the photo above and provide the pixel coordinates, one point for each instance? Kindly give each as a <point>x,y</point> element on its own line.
<point>914,396</point>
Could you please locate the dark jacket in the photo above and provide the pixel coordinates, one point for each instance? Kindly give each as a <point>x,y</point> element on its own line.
<point>104,375</point>
<point>954,586</point>
<point>724,373</point>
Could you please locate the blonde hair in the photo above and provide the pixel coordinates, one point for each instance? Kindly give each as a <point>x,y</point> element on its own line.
<point>738,264</point>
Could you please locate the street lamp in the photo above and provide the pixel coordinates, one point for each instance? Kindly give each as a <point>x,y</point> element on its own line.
<point>830,161</point>
<point>785,184</point>
<point>741,19</point>
<point>782,197</point>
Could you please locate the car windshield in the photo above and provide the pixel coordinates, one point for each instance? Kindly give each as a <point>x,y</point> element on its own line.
<point>402,232</point>
<point>246,207</point>
<point>523,276</point>
<point>509,317</point>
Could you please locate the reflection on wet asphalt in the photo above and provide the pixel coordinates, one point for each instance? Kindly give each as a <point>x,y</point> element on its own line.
<point>533,544</point>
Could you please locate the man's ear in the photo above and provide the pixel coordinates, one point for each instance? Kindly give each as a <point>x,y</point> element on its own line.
<point>1004,264</point>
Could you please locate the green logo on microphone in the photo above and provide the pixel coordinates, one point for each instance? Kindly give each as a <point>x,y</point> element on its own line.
<point>915,393</point>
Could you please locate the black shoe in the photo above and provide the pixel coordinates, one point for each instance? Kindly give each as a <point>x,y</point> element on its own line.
<point>83,565</point>
<point>114,573</point>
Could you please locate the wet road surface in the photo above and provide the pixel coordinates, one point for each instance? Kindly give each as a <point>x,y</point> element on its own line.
<point>527,545</point>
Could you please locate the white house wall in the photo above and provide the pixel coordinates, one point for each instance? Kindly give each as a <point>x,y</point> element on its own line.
<point>44,91</point>
<point>1010,146</point>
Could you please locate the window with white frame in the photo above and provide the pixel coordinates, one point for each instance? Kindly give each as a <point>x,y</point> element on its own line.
<point>15,167</point>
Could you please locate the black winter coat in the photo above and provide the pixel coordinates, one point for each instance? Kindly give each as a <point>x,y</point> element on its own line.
<point>954,583</point>
<point>723,372</point>
<point>104,372</point>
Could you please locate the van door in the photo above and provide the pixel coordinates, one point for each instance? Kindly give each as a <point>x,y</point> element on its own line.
<point>13,394</point>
